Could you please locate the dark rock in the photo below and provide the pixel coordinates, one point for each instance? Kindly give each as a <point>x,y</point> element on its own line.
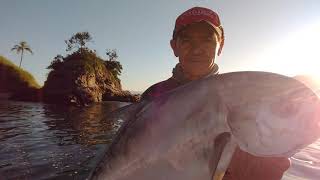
<point>83,79</point>
<point>123,96</point>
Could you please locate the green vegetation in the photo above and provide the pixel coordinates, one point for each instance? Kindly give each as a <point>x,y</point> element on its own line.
<point>20,48</point>
<point>78,40</point>
<point>84,59</point>
<point>13,78</point>
<point>112,64</point>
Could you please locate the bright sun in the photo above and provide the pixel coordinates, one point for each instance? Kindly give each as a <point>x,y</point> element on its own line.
<point>297,54</point>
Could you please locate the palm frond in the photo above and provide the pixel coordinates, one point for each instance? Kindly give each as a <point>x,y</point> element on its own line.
<point>28,49</point>
<point>17,49</point>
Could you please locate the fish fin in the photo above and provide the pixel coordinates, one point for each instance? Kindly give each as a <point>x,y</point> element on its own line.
<point>226,156</point>
<point>218,176</point>
<point>219,144</point>
<point>125,113</point>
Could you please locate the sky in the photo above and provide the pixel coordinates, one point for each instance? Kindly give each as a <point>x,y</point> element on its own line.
<point>280,36</point>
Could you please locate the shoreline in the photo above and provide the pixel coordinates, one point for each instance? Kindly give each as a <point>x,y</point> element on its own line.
<point>5,95</point>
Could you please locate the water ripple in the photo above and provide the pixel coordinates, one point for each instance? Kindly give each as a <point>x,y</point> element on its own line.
<point>39,141</point>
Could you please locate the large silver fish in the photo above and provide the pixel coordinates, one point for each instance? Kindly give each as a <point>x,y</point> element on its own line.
<point>191,132</point>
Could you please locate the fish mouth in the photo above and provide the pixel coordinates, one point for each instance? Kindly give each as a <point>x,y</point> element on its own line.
<point>219,144</point>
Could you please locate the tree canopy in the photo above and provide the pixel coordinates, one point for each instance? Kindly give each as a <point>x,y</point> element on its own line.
<point>57,62</point>
<point>85,57</point>
<point>112,64</point>
<point>78,40</point>
<point>112,54</point>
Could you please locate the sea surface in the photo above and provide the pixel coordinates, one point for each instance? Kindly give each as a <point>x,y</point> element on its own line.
<point>41,141</point>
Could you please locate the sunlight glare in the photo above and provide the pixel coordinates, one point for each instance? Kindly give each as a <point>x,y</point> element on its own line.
<point>298,53</point>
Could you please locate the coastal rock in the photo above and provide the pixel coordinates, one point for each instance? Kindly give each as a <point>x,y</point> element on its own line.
<point>123,96</point>
<point>83,79</point>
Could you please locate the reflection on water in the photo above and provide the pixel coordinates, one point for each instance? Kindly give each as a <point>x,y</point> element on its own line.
<point>39,141</point>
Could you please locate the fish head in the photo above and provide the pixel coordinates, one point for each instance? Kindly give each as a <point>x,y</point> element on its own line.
<point>278,124</point>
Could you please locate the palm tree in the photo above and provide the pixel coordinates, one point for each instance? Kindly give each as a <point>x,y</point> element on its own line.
<point>20,48</point>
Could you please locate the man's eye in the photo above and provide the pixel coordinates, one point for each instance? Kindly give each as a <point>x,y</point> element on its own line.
<point>185,39</point>
<point>209,39</point>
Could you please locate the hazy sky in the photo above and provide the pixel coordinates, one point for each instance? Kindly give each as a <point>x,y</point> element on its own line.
<point>281,36</point>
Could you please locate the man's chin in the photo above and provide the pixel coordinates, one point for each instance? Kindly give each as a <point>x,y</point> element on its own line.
<point>198,60</point>
<point>199,74</point>
<point>199,67</point>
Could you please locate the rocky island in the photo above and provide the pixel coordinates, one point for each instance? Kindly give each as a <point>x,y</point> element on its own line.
<point>82,78</point>
<point>78,78</point>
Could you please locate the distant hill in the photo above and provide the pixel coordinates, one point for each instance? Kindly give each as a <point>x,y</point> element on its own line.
<point>13,78</point>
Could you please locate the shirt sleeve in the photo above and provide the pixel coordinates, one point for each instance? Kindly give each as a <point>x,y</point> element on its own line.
<point>159,88</point>
<point>147,94</point>
<point>246,166</point>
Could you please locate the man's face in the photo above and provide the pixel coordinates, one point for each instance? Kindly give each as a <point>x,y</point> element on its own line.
<point>196,47</point>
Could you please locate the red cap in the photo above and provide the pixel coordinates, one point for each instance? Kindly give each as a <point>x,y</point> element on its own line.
<point>198,14</point>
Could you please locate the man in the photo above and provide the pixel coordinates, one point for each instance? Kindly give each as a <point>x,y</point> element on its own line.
<point>198,39</point>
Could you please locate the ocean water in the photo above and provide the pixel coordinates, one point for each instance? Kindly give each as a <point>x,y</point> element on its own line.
<point>39,141</point>
<point>305,165</point>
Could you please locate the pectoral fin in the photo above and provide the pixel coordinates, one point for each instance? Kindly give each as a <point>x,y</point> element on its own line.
<point>219,144</point>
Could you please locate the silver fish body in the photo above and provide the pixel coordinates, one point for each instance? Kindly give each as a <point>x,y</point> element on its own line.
<point>191,132</point>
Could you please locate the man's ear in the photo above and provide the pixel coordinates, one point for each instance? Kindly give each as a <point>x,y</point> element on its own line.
<point>173,44</point>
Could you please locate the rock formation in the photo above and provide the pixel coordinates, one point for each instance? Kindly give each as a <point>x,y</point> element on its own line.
<point>83,78</point>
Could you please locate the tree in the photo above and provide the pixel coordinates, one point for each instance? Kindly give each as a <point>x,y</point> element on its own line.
<point>112,54</point>
<point>78,40</point>
<point>112,64</point>
<point>20,48</point>
<point>56,63</point>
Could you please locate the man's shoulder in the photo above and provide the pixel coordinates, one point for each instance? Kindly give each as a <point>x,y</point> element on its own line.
<point>159,88</point>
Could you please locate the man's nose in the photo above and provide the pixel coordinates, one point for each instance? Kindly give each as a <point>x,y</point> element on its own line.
<point>197,47</point>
